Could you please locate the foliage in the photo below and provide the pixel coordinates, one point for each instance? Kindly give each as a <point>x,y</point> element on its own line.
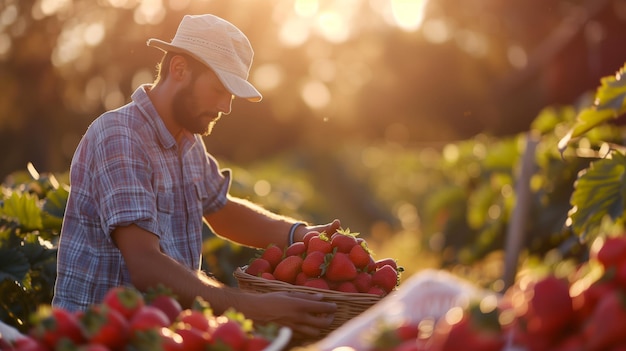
<point>31,213</point>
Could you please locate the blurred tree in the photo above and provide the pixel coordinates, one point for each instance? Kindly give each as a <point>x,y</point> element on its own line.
<point>329,70</point>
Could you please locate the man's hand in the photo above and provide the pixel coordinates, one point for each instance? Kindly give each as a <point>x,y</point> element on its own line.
<point>329,229</point>
<point>306,314</point>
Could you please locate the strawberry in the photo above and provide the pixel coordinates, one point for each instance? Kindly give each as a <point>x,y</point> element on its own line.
<point>347,287</point>
<point>390,261</point>
<point>194,319</point>
<point>229,334</point>
<point>318,283</point>
<point>257,343</point>
<point>193,339</point>
<point>301,278</point>
<point>169,305</point>
<point>605,327</point>
<point>124,299</point>
<point>385,277</point>
<point>319,243</point>
<point>612,251</point>
<point>550,309</point>
<point>343,242</point>
<point>53,324</point>
<point>340,268</point>
<point>360,256</point>
<point>376,290</point>
<point>106,326</point>
<point>287,270</point>
<point>307,237</point>
<point>469,329</point>
<point>313,263</point>
<point>149,317</point>
<point>268,276</point>
<point>258,266</point>
<point>296,249</point>
<point>273,254</point>
<point>363,282</point>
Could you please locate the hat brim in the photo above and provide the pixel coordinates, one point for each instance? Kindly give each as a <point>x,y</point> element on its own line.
<point>241,88</point>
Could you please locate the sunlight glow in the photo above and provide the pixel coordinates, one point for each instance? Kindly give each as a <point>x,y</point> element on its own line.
<point>123,3</point>
<point>333,27</point>
<point>472,42</point>
<point>315,94</point>
<point>50,7</point>
<point>149,12</point>
<point>8,16</point>
<point>517,56</point>
<point>5,44</point>
<point>94,34</point>
<point>437,31</point>
<point>306,8</point>
<point>267,77</point>
<point>294,32</point>
<point>408,14</point>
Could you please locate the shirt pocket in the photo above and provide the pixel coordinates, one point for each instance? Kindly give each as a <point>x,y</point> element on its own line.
<point>165,212</point>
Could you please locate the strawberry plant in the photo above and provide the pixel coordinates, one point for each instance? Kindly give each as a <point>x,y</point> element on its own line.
<point>31,213</point>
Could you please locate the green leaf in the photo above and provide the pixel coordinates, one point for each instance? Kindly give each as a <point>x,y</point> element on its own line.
<point>23,208</point>
<point>609,103</point>
<point>599,191</point>
<point>14,264</point>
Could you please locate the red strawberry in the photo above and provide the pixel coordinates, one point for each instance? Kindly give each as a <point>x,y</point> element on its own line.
<point>272,254</point>
<point>258,266</point>
<point>360,256</point>
<point>51,325</point>
<point>385,277</point>
<point>168,304</point>
<point>268,276</point>
<point>376,290</point>
<point>194,319</point>
<point>550,309</point>
<point>612,251</point>
<point>301,278</point>
<point>347,287</point>
<point>307,237</point>
<point>318,283</point>
<point>319,243</point>
<point>605,327</point>
<point>149,317</point>
<point>287,270</point>
<point>343,242</point>
<point>229,333</point>
<point>257,343</point>
<point>296,249</point>
<point>363,282</point>
<point>390,261</point>
<point>124,299</point>
<point>193,339</point>
<point>313,264</point>
<point>473,330</point>
<point>340,268</point>
<point>106,326</point>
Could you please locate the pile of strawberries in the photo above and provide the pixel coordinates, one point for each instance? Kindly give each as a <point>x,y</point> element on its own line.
<point>583,312</point>
<point>126,320</point>
<point>341,261</point>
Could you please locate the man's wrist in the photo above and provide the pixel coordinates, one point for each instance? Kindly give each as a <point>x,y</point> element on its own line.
<point>291,238</point>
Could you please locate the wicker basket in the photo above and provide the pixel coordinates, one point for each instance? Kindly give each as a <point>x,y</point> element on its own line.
<point>349,305</point>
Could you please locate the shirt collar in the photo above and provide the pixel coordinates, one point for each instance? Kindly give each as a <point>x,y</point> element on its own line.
<point>143,102</point>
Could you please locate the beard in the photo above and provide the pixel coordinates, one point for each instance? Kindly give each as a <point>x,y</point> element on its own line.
<point>186,116</point>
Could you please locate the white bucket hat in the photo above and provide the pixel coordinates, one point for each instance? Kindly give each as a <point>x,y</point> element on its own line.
<point>221,46</point>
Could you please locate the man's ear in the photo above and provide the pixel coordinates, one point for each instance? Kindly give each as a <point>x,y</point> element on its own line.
<point>178,66</point>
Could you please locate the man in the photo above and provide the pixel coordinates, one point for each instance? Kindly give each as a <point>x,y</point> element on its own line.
<point>142,184</point>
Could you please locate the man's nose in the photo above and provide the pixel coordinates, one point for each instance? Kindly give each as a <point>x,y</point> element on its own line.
<point>225,105</point>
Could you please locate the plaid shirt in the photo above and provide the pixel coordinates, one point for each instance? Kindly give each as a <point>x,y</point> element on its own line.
<point>129,169</point>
